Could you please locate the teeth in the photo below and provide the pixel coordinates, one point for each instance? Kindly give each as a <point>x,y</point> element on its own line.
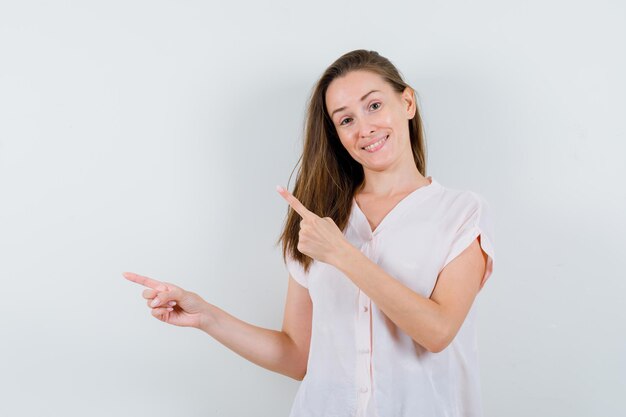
<point>373,145</point>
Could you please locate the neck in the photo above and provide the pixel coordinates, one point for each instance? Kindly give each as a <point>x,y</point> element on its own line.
<point>394,180</point>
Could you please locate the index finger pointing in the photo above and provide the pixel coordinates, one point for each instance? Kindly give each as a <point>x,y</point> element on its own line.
<point>295,203</point>
<point>148,282</point>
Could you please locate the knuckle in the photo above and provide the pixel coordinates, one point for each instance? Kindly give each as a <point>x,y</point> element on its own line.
<point>173,289</point>
<point>159,311</point>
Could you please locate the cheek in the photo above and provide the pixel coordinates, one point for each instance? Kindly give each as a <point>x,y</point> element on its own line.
<point>347,136</point>
<point>383,118</point>
<point>391,117</point>
<point>347,141</point>
<point>347,144</point>
<point>395,120</point>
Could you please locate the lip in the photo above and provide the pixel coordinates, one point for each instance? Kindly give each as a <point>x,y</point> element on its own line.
<point>374,141</point>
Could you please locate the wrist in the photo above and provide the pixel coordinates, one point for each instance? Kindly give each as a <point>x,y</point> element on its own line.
<point>345,256</point>
<point>207,318</point>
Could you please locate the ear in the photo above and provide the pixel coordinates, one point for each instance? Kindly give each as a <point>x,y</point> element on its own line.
<point>408,101</point>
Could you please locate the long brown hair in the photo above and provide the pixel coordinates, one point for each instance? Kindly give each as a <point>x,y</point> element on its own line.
<point>328,177</point>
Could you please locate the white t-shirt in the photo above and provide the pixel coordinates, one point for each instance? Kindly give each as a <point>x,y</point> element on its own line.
<point>360,363</point>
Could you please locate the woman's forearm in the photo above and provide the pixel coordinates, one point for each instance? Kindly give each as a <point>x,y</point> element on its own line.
<point>271,349</point>
<point>418,316</point>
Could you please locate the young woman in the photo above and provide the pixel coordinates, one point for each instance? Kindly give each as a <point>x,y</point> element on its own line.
<point>384,263</point>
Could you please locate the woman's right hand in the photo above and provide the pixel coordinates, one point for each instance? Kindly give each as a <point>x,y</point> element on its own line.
<point>171,303</point>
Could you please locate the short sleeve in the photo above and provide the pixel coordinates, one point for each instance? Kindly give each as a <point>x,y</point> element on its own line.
<point>296,271</point>
<point>476,220</point>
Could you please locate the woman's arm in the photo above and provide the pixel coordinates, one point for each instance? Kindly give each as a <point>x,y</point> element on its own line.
<point>285,351</point>
<point>432,322</point>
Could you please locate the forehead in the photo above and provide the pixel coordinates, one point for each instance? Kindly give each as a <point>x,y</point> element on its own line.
<point>349,88</point>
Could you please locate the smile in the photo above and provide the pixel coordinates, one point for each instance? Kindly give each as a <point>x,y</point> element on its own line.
<point>376,145</point>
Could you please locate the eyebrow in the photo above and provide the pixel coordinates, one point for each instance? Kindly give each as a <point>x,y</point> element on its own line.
<point>344,107</point>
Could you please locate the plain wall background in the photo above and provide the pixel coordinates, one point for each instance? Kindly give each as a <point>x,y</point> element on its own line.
<point>148,136</point>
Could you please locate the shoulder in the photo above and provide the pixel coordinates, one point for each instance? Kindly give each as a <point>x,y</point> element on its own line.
<point>457,207</point>
<point>453,199</point>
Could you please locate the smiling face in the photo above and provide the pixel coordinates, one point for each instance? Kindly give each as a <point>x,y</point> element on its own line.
<point>371,118</point>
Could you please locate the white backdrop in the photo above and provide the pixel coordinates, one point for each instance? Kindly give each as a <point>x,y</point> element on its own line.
<point>149,136</point>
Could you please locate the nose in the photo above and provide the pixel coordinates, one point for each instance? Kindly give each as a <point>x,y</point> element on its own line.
<point>365,128</point>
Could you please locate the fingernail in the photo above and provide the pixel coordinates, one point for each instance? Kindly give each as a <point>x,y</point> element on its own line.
<point>279,188</point>
<point>155,302</point>
<point>172,303</point>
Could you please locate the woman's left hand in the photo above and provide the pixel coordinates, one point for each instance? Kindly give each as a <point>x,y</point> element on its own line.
<point>319,237</point>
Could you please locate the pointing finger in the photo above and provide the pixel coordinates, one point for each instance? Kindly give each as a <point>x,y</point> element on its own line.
<point>148,282</point>
<point>295,203</point>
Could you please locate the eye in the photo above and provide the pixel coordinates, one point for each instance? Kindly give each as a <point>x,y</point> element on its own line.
<point>342,122</point>
<point>377,104</point>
